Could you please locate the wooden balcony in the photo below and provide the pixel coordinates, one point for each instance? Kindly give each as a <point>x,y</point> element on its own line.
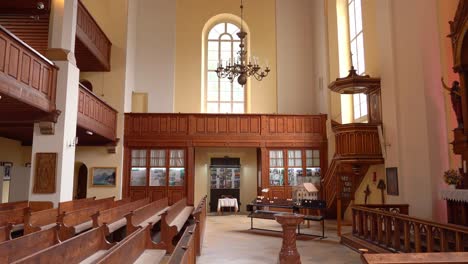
<point>28,82</point>
<point>357,141</point>
<point>97,121</point>
<point>218,130</point>
<point>93,48</point>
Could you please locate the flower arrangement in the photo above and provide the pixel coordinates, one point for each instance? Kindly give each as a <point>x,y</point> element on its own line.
<point>452,177</point>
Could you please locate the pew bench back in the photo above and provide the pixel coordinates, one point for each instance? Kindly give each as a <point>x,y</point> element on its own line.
<point>35,221</point>
<point>136,248</point>
<point>185,252</point>
<point>26,245</point>
<point>148,212</point>
<point>86,246</point>
<point>75,204</point>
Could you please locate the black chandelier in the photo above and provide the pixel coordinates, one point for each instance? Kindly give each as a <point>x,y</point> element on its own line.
<point>241,67</point>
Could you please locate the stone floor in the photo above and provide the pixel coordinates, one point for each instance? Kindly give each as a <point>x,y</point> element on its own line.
<point>228,240</point>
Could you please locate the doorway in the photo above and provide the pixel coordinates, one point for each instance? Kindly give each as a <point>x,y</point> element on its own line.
<point>82,184</point>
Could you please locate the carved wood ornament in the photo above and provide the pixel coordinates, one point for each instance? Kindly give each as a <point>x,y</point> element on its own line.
<point>45,173</point>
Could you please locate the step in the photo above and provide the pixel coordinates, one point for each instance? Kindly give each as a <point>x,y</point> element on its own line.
<point>356,243</point>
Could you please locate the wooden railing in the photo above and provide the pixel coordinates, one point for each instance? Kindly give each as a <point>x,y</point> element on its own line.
<point>330,183</point>
<point>96,115</point>
<point>25,74</point>
<point>402,233</point>
<point>93,47</point>
<point>357,140</point>
<point>392,208</point>
<point>246,130</point>
<point>199,215</point>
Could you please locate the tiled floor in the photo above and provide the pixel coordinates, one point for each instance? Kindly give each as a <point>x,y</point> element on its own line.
<point>227,240</point>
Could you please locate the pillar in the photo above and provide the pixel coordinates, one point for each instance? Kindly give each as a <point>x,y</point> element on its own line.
<point>62,33</point>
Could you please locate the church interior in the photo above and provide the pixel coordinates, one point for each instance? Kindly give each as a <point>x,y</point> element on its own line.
<point>234,131</point>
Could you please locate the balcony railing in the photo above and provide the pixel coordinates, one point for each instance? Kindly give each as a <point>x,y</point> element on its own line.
<point>95,115</point>
<point>26,75</point>
<point>93,48</point>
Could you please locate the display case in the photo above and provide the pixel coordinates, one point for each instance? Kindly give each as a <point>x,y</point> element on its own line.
<point>176,176</point>
<point>224,177</point>
<point>276,177</point>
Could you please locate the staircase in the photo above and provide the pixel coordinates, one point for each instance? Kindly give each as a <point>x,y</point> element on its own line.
<point>357,147</point>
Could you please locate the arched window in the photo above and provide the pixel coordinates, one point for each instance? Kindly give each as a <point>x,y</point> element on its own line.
<point>222,95</point>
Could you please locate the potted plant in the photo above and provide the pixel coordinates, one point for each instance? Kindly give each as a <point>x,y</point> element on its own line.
<point>452,178</point>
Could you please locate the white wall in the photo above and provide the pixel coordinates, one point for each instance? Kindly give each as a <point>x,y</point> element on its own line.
<point>295,57</point>
<point>155,53</point>
<point>413,102</point>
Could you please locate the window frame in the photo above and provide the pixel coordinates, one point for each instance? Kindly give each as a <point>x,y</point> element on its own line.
<point>207,71</point>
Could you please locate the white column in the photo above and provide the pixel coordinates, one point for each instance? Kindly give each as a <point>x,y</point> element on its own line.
<point>62,37</point>
<point>413,102</point>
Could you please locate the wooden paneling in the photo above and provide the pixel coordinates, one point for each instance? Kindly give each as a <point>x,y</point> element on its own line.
<point>95,115</point>
<point>46,169</point>
<point>25,75</point>
<point>34,32</point>
<point>157,193</point>
<point>357,140</point>
<point>137,193</point>
<point>221,130</point>
<point>25,7</point>
<point>93,48</point>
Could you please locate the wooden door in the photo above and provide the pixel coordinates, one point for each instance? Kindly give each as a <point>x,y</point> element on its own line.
<point>81,189</point>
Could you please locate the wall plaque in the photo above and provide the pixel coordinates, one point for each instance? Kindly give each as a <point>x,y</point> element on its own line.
<point>45,173</point>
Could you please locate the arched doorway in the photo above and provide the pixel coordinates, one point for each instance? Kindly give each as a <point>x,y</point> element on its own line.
<point>82,182</point>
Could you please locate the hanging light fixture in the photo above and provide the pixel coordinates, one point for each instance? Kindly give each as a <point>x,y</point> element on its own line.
<point>241,67</point>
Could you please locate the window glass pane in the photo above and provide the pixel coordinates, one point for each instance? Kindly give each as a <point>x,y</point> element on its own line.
<point>226,37</point>
<point>139,158</point>
<point>158,177</point>
<point>358,17</point>
<point>138,177</point>
<point>238,108</point>
<point>212,108</point>
<point>158,158</point>
<point>216,31</point>
<point>176,176</point>
<point>360,54</point>
<point>212,64</point>
<point>352,25</point>
<point>212,91</point>
<point>295,176</point>
<point>226,46</point>
<point>213,46</point>
<point>313,176</point>
<point>225,108</point>
<point>232,29</point>
<point>176,158</point>
<point>276,177</point>
<point>225,91</point>
<point>316,153</point>
<point>212,77</point>
<point>316,162</point>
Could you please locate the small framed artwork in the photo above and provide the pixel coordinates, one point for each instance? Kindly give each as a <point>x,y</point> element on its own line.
<point>7,169</point>
<point>103,176</point>
<point>392,181</point>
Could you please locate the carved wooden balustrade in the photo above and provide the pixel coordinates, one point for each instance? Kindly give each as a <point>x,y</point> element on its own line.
<point>27,79</point>
<point>93,48</point>
<point>95,115</point>
<point>402,233</point>
<point>357,140</point>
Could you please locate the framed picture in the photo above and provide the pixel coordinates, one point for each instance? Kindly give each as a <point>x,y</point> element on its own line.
<point>392,181</point>
<point>103,176</point>
<point>7,167</point>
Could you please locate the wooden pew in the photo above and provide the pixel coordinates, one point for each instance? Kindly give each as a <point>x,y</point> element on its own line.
<point>13,205</point>
<point>147,215</point>
<point>37,206</point>
<point>122,201</point>
<point>199,214</point>
<point>5,232</point>
<point>135,248</point>
<point>115,216</point>
<point>16,216</point>
<point>173,220</point>
<point>36,221</point>
<point>185,252</point>
<point>24,246</point>
<point>84,248</point>
<point>75,222</point>
<point>75,204</point>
